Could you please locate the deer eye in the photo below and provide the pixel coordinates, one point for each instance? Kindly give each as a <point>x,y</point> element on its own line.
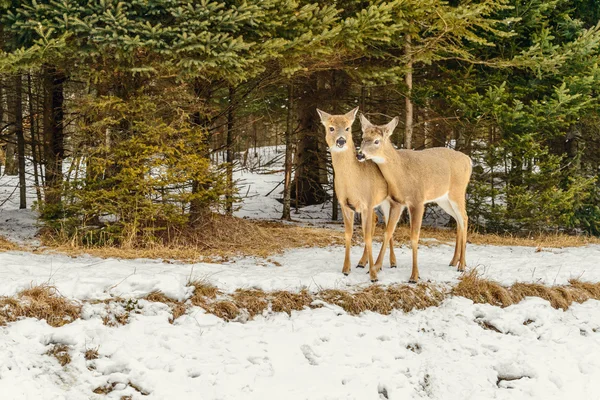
<point>347,129</point>
<point>376,142</point>
<point>331,129</point>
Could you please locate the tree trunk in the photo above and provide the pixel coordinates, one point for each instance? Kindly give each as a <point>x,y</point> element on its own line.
<point>197,207</point>
<point>287,182</point>
<point>229,160</point>
<point>2,117</point>
<point>53,135</point>
<point>20,140</point>
<point>311,161</point>
<point>13,109</point>
<point>408,127</point>
<point>427,131</point>
<point>34,142</point>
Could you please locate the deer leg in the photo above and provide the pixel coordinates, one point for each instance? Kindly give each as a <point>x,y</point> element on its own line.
<point>393,263</point>
<point>388,237</point>
<point>348,215</point>
<point>459,208</point>
<point>416,218</point>
<point>365,256</point>
<point>446,206</point>
<point>367,225</point>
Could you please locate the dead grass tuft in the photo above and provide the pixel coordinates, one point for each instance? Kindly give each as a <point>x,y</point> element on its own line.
<point>383,300</point>
<point>61,353</point>
<point>91,354</point>
<point>480,290</point>
<point>177,308</point>
<point>41,302</point>
<point>7,245</point>
<point>252,300</point>
<point>421,296</point>
<point>203,289</point>
<point>283,301</point>
<point>225,309</point>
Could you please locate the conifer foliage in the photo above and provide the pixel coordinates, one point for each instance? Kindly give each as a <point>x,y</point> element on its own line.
<point>124,107</point>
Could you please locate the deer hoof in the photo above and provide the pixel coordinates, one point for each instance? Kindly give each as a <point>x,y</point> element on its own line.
<point>359,266</point>
<point>374,280</point>
<point>346,273</point>
<point>414,281</point>
<point>393,266</point>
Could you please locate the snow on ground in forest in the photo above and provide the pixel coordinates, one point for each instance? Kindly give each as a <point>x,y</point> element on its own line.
<point>20,226</point>
<point>458,350</point>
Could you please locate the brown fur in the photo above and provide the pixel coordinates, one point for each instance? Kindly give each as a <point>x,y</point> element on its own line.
<point>359,187</point>
<point>414,178</point>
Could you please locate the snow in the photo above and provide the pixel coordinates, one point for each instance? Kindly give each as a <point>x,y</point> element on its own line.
<point>458,350</point>
<point>89,277</point>
<point>18,225</point>
<point>438,353</point>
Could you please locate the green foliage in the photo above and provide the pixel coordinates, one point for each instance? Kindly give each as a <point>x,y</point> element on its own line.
<point>135,170</point>
<point>512,80</point>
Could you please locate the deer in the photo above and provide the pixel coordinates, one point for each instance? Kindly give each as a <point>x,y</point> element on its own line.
<point>438,175</point>
<point>360,188</point>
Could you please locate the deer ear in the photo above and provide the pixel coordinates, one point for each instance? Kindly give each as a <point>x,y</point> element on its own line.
<point>351,114</point>
<point>389,128</point>
<point>324,116</point>
<point>364,121</point>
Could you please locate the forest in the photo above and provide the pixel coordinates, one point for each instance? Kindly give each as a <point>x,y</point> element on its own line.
<point>131,117</point>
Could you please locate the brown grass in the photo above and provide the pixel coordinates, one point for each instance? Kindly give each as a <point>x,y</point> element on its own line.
<point>41,302</point>
<point>283,301</point>
<point>7,245</point>
<point>480,290</point>
<point>91,354</point>
<point>383,300</point>
<point>218,237</point>
<point>61,353</point>
<point>177,308</point>
<point>539,240</point>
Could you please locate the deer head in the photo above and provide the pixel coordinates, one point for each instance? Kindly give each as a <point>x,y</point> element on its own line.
<point>374,139</point>
<point>338,129</point>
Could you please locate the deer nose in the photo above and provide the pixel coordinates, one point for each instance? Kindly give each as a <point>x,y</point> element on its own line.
<point>341,142</point>
<point>360,156</point>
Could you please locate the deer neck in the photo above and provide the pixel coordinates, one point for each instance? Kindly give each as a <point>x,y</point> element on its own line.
<point>345,159</point>
<point>390,163</point>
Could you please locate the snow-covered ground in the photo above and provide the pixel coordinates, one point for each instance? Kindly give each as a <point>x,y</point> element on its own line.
<point>458,350</point>
<point>438,353</point>
<point>313,268</point>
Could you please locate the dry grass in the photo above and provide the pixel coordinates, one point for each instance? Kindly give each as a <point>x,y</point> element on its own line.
<point>218,237</point>
<point>7,245</point>
<point>383,300</point>
<point>91,354</point>
<point>539,240</point>
<point>61,353</point>
<point>177,307</point>
<point>41,302</point>
<point>283,301</point>
<point>480,290</point>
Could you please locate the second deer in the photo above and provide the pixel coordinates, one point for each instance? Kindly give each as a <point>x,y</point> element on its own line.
<point>438,175</point>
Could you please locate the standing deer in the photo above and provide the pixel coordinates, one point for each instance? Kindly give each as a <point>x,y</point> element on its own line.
<point>438,175</point>
<point>360,188</point>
